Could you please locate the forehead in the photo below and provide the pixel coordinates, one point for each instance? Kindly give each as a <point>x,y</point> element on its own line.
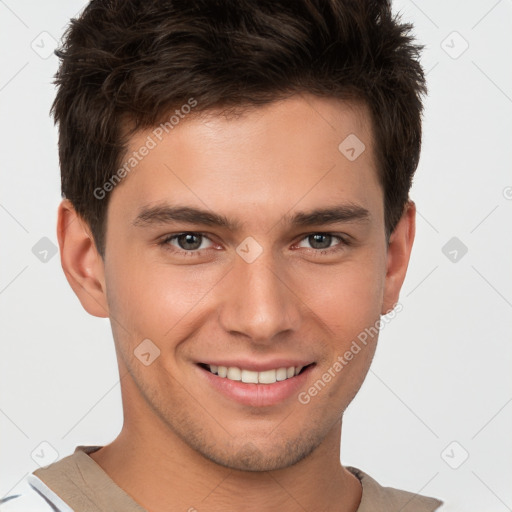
<point>287,152</point>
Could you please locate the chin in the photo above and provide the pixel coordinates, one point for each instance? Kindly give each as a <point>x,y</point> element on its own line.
<point>254,456</point>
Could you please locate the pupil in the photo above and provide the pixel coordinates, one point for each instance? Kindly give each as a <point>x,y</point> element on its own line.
<point>319,236</point>
<point>188,237</point>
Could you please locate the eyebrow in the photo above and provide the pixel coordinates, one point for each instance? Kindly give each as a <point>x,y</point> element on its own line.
<point>166,213</point>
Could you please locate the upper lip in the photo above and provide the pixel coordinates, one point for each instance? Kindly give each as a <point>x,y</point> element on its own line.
<point>259,366</point>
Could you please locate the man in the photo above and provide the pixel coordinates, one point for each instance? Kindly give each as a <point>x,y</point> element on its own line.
<point>236,181</point>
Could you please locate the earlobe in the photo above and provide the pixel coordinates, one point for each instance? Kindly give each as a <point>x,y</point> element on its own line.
<point>80,260</point>
<point>398,255</point>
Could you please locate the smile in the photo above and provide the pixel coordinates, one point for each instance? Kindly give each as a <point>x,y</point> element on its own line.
<point>253,377</point>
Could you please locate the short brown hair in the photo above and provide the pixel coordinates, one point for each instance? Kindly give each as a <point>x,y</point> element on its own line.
<point>139,60</point>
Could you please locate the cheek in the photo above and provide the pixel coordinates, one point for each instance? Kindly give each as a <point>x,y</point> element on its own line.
<point>348,304</point>
<point>346,297</point>
<point>154,300</point>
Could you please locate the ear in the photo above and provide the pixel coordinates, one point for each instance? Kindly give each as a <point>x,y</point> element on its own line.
<point>81,262</point>
<point>398,254</point>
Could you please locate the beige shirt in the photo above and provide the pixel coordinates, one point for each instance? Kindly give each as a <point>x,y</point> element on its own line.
<point>81,483</point>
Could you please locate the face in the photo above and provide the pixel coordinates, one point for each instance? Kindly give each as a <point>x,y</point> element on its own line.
<point>258,281</point>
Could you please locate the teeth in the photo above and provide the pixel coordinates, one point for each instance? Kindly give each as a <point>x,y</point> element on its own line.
<point>267,377</point>
<point>234,373</point>
<point>249,376</point>
<point>281,374</point>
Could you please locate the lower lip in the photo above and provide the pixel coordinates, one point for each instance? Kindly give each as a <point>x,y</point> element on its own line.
<point>257,395</point>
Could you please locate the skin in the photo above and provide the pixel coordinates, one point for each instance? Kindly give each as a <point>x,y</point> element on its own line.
<point>183,444</point>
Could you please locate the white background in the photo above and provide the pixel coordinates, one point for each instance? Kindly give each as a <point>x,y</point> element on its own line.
<point>442,368</point>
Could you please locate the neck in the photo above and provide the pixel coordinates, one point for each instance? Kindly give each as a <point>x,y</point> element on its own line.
<point>163,473</point>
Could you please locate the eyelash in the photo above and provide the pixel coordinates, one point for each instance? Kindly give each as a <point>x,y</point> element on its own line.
<point>164,243</point>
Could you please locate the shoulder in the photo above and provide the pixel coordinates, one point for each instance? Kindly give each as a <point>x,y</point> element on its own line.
<point>376,496</point>
<point>32,495</point>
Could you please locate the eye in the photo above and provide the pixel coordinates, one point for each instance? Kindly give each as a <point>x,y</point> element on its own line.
<point>321,242</point>
<point>189,242</point>
<point>192,243</point>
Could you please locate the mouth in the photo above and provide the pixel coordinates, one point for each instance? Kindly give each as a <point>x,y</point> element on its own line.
<point>247,376</point>
<point>270,386</point>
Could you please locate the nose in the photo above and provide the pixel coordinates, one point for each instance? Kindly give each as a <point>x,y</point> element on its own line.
<point>259,300</point>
